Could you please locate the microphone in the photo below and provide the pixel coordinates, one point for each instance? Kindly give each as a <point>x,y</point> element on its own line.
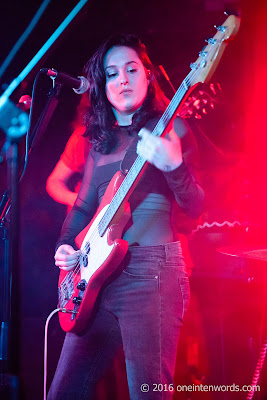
<point>80,85</point>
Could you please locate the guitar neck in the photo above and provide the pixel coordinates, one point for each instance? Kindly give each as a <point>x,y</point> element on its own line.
<point>170,112</point>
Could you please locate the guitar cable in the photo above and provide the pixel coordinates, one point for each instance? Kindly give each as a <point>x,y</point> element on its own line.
<point>64,310</point>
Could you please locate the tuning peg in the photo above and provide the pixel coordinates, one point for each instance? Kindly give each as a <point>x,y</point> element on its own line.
<point>203,54</point>
<point>220,28</point>
<point>194,66</point>
<point>211,41</point>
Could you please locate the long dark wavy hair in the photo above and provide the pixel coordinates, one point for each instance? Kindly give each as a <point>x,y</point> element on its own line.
<point>100,122</point>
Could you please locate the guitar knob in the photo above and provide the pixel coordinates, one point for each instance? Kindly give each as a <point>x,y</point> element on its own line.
<point>82,285</point>
<point>77,301</point>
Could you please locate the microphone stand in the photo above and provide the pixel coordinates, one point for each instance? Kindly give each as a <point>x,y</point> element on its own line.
<point>10,326</point>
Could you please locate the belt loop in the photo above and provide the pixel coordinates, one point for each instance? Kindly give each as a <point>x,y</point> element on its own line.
<point>171,249</point>
<point>166,250</point>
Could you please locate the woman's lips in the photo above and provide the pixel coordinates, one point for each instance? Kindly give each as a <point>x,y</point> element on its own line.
<point>126,91</point>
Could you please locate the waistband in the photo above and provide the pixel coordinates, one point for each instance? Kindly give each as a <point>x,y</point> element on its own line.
<point>169,252</point>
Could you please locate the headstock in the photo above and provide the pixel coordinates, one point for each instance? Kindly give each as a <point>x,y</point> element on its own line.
<point>209,57</point>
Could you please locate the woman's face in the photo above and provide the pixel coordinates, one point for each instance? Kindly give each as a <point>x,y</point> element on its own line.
<point>126,80</point>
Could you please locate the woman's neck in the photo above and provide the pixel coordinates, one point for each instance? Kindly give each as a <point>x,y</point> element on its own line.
<point>123,119</point>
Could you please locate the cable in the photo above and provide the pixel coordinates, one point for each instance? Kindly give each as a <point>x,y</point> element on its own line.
<point>45,347</point>
<point>45,344</point>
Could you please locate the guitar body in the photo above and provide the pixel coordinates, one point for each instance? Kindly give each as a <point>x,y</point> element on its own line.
<point>101,257</point>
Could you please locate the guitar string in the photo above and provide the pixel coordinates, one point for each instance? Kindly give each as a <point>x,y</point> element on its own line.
<point>167,115</point>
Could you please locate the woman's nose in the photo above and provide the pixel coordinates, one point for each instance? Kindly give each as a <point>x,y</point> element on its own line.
<point>124,79</point>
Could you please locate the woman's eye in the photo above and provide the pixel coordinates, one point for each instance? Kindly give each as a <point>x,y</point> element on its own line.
<point>111,74</point>
<point>132,70</point>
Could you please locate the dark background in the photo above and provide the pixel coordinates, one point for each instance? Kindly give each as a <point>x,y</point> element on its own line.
<point>227,321</point>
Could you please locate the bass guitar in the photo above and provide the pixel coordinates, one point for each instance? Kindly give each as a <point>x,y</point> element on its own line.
<point>102,249</point>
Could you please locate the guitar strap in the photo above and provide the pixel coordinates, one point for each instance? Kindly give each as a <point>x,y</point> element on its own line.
<point>129,157</point>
